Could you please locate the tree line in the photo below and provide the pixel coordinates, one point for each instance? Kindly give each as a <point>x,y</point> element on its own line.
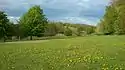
<point>35,23</point>
<point>113,22</point>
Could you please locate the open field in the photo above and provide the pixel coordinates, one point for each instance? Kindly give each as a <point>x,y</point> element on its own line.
<point>81,53</point>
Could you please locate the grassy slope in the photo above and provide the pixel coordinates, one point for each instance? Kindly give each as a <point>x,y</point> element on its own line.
<point>82,53</point>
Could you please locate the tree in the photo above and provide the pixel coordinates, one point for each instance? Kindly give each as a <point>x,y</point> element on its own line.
<point>79,31</point>
<point>60,27</point>
<point>3,25</point>
<point>90,30</point>
<point>10,31</point>
<point>34,22</point>
<point>120,22</point>
<point>107,24</point>
<point>16,30</point>
<point>68,32</point>
<point>100,27</point>
<point>51,30</point>
<point>109,19</point>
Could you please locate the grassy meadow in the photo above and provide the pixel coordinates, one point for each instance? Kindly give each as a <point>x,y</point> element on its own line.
<point>80,53</point>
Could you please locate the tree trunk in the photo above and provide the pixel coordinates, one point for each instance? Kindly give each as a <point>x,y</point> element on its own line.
<point>4,39</point>
<point>19,38</point>
<point>31,38</point>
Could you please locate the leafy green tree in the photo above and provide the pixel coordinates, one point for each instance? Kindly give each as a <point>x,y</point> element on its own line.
<point>68,32</point>
<point>107,24</point>
<point>79,31</point>
<point>90,30</point>
<point>3,25</point>
<point>51,30</point>
<point>114,18</point>
<point>100,27</point>
<point>10,29</point>
<point>16,30</point>
<point>74,30</point>
<point>34,22</point>
<point>60,27</point>
<point>109,19</point>
<point>120,22</point>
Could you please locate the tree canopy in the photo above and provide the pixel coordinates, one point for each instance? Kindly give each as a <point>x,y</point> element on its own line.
<point>113,20</point>
<point>3,25</point>
<point>34,21</point>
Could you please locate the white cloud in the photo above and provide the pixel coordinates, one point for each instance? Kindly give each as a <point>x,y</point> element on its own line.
<point>80,20</point>
<point>72,10</point>
<point>13,19</point>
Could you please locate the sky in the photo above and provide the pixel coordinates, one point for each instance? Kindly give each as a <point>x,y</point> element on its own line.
<point>74,11</point>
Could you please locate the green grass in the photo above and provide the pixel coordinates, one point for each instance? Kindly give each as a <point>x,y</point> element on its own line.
<point>81,53</point>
